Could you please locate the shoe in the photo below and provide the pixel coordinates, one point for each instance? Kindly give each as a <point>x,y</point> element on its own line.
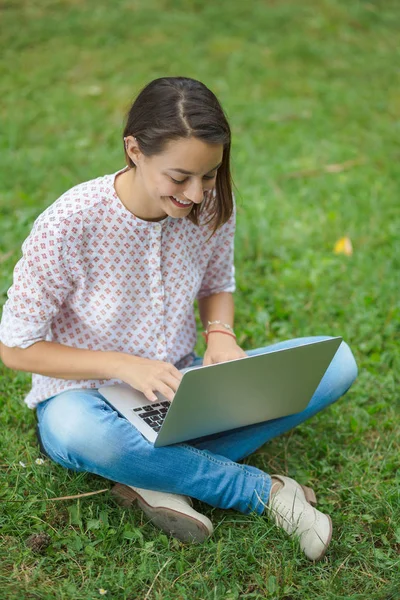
<point>292,509</point>
<point>170,512</point>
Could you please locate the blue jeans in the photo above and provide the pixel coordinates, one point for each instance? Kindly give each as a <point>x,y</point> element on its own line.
<point>81,431</point>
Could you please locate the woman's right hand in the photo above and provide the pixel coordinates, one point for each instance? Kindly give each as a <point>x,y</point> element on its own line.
<point>149,376</point>
<point>65,362</point>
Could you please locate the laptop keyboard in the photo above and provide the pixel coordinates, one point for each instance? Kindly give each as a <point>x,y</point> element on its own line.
<point>153,414</point>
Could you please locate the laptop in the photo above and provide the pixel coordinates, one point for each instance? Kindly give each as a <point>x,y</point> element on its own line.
<point>228,395</point>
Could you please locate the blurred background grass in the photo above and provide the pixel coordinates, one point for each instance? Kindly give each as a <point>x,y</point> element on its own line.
<point>306,85</point>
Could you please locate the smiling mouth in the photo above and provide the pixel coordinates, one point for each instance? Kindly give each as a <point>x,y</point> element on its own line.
<point>180,204</point>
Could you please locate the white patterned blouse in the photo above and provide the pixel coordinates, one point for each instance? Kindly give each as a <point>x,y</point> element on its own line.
<point>95,276</point>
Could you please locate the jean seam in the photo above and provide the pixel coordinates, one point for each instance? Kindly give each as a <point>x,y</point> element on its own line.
<point>223,463</point>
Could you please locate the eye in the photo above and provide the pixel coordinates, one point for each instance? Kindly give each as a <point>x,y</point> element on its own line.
<point>176,180</point>
<point>180,181</point>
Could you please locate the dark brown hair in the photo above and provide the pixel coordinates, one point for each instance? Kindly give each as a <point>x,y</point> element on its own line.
<point>170,108</point>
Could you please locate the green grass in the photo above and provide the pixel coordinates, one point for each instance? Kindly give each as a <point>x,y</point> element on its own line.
<point>305,84</point>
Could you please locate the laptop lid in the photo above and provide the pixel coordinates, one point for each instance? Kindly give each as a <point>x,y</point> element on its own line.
<point>246,391</point>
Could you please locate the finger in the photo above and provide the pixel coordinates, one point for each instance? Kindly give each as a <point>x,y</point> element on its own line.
<point>176,373</point>
<point>172,381</point>
<point>165,390</point>
<point>150,395</point>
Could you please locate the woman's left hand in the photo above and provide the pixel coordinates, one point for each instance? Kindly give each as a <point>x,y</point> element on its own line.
<point>221,348</point>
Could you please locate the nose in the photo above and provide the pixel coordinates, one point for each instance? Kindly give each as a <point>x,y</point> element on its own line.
<point>195,192</point>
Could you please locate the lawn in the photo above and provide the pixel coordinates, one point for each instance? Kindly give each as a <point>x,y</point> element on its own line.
<point>312,92</point>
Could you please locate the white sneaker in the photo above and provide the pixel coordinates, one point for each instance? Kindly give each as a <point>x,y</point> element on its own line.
<point>170,512</point>
<point>291,508</point>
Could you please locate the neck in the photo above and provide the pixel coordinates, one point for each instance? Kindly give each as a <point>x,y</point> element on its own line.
<point>131,192</point>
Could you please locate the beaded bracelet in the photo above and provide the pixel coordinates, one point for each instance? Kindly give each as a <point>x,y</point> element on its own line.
<point>205,334</point>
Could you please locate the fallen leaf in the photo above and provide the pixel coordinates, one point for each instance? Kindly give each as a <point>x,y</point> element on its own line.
<point>332,168</point>
<point>305,114</point>
<point>4,257</point>
<point>339,167</point>
<point>93,90</point>
<point>343,246</point>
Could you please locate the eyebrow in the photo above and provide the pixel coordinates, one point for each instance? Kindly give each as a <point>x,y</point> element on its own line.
<point>190,173</point>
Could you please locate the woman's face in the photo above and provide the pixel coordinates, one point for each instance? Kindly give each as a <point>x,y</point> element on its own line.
<point>170,183</point>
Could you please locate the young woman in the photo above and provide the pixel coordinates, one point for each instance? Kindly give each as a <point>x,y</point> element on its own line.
<point>105,291</point>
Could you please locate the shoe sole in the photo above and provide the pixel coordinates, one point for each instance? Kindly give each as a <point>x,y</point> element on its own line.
<point>181,526</point>
<point>328,541</point>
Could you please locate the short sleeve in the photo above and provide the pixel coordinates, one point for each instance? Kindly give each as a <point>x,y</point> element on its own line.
<point>41,282</point>
<point>220,272</point>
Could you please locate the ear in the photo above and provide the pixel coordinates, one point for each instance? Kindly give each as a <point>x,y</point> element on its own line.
<point>132,149</point>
